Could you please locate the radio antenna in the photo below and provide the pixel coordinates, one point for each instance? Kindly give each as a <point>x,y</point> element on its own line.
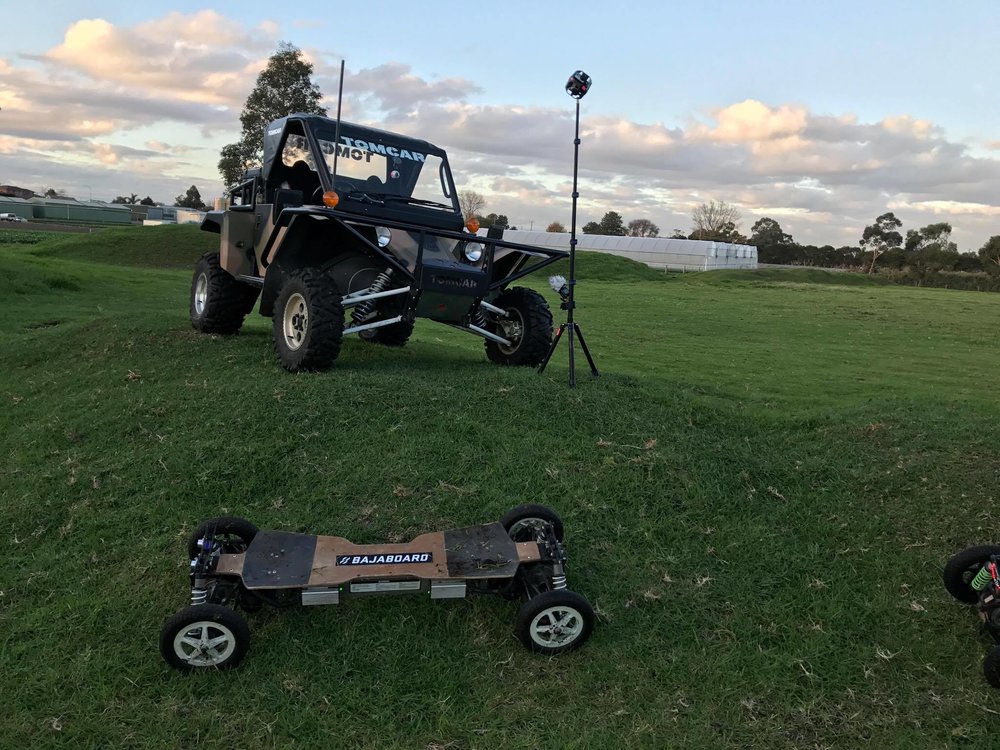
<point>336,137</point>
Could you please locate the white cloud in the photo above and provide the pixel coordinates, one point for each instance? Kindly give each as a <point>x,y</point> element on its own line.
<point>144,108</point>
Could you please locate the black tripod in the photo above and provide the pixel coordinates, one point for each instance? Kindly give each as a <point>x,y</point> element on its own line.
<point>577,87</point>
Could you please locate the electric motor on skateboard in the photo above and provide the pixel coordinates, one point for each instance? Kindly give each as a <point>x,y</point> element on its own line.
<point>973,577</point>
<point>233,565</point>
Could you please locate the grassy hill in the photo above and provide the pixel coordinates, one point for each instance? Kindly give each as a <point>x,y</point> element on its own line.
<point>759,493</point>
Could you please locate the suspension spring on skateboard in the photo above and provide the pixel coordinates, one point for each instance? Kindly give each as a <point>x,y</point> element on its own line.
<point>364,309</point>
<point>199,595</point>
<point>983,577</point>
<point>558,583</point>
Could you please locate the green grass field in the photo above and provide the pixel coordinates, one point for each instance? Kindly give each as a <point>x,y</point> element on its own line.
<point>759,492</point>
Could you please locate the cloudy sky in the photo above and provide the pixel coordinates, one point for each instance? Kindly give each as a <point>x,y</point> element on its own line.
<point>821,116</point>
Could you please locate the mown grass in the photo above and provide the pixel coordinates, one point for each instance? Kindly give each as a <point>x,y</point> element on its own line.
<point>759,493</point>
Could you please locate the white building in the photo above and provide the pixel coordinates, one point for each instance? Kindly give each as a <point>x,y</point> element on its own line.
<point>655,252</point>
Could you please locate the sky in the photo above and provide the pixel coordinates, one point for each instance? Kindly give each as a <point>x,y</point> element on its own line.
<point>821,116</point>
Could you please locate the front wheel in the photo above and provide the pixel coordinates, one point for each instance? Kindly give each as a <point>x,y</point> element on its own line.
<point>204,636</point>
<point>308,322</point>
<point>962,568</point>
<point>554,622</point>
<point>527,326</point>
<point>991,667</point>
<point>219,302</point>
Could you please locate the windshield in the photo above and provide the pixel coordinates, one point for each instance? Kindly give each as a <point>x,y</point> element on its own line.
<point>388,171</point>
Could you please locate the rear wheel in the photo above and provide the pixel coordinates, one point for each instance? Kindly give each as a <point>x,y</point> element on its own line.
<point>219,303</point>
<point>308,322</point>
<point>234,534</point>
<point>991,667</point>
<point>962,568</point>
<point>527,326</point>
<point>524,521</point>
<point>554,622</point>
<point>204,636</point>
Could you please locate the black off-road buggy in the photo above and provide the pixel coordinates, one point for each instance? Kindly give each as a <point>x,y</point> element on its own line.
<point>342,217</point>
<point>973,577</point>
<point>235,565</point>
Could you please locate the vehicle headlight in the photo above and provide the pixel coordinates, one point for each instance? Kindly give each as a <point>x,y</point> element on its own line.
<point>473,252</point>
<point>384,235</point>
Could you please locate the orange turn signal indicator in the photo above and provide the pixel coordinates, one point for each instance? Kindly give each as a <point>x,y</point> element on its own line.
<point>331,199</point>
<point>472,225</point>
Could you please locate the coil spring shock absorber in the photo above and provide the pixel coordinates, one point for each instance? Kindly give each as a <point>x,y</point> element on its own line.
<point>380,284</point>
<point>558,578</point>
<point>986,574</point>
<point>199,594</point>
<point>479,318</point>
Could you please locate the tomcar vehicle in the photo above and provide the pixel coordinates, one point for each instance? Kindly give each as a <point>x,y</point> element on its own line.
<point>235,565</point>
<point>345,219</point>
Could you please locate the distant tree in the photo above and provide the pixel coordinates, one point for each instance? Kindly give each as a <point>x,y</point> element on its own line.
<point>678,234</point>
<point>283,87</point>
<point>881,236</point>
<point>989,254</point>
<point>642,228</point>
<point>555,226</point>
<point>931,248</point>
<point>592,227</point>
<point>130,200</point>
<point>498,221</point>
<point>471,202</point>
<point>710,220</point>
<point>729,232</point>
<point>767,231</point>
<point>53,193</point>
<point>147,201</point>
<point>611,224</point>
<point>119,199</point>
<point>191,199</point>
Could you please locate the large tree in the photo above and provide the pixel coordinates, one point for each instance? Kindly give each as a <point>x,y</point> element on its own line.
<point>931,248</point>
<point>767,232</point>
<point>190,199</point>
<point>881,236</point>
<point>283,87</point>
<point>498,221</point>
<point>642,228</point>
<point>715,220</point>
<point>610,224</point>
<point>471,203</point>
<point>989,254</point>
<point>555,226</point>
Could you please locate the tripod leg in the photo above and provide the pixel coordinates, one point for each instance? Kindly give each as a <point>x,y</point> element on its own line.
<point>572,366</point>
<point>552,348</point>
<point>586,351</point>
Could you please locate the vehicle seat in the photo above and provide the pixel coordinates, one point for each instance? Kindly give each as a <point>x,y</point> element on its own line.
<point>300,177</point>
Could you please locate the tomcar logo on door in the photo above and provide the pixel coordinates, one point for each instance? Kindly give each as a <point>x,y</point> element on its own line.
<point>409,557</point>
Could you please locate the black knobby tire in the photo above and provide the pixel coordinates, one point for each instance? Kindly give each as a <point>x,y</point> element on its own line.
<point>234,533</point>
<point>204,636</point>
<point>308,323</point>
<point>529,312</point>
<point>523,521</point>
<point>541,619</point>
<point>991,667</point>
<point>219,303</point>
<point>395,335</point>
<point>962,568</point>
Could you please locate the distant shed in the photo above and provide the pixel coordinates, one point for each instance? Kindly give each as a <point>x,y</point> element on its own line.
<point>17,206</point>
<point>655,252</point>
<point>69,209</point>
